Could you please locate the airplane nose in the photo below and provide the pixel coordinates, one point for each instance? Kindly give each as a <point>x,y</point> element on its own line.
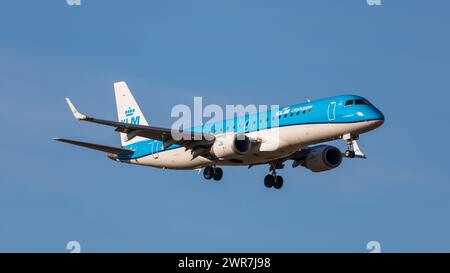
<point>378,117</point>
<point>374,114</point>
<point>379,122</point>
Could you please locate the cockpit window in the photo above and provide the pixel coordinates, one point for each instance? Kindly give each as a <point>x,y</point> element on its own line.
<point>356,102</point>
<point>361,102</point>
<point>349,102</point>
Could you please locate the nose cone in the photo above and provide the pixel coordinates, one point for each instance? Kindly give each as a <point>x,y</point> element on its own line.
<point>378,115</point>
<point>375,117</point>
<point>379,122</point>
<point>371,113</point>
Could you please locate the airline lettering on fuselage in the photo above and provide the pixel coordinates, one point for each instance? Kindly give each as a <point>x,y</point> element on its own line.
<point>287,110</point>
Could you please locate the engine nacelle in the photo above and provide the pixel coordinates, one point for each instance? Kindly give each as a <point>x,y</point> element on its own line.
<point>231,146</point>
<point>323,158</point>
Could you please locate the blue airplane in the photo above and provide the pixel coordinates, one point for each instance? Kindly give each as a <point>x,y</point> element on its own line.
<point>271,137</point>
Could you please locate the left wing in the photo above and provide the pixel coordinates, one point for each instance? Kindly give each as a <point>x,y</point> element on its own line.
<point>189,139</point>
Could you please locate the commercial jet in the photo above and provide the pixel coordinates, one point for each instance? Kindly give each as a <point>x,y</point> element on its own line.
<point>293,133</point>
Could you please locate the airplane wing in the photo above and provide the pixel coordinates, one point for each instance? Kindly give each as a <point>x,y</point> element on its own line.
<point>103,148</point>
<point>157,133</point>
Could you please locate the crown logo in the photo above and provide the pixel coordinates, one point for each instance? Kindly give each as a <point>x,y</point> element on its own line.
<point>129,112</point>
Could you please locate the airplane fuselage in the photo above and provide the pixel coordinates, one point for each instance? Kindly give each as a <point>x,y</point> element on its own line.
<point>282,133</point>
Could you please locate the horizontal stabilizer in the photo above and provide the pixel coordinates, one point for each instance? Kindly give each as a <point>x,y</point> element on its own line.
<point>103,148</point>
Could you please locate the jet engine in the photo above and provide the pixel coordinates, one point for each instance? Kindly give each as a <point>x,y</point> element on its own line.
<point>232,145</point>
<point>323,158</point>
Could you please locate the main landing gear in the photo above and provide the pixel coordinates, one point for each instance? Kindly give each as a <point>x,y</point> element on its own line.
<point>274,180</point>
<point>353,149</point>
<point>213,173</point>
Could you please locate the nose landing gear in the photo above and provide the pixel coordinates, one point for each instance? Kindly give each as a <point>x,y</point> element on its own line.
<point>353,149</point>
<point>349,153</point>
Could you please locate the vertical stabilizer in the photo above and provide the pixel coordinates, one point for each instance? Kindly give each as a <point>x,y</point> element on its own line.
<point>128,111</point>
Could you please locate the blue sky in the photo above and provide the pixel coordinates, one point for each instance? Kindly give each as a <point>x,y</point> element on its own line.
<point>228,52</point>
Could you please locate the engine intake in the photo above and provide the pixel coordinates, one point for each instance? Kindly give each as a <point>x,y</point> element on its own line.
<point>323,158</point>
<point>231,146</point>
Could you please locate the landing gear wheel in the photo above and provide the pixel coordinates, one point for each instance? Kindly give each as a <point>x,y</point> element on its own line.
<point>350,154</point>
<point>269,181</point>
<point>278,182</point>
<point>208,173</point>
<point>218,174</point>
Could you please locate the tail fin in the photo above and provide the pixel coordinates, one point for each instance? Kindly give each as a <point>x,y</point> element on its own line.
<point>128,111</point>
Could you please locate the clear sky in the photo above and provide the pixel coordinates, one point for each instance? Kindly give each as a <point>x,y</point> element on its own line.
<point>228,51</point>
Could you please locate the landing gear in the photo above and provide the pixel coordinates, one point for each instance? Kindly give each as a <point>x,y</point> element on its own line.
<point>218,174</point>
<point>213,173</point>
<point>353,147</point>
<point>208,173</point>
<point>269,181</point>
<point>274,180</point>
<point>349,153</point>
<point>278,182</point>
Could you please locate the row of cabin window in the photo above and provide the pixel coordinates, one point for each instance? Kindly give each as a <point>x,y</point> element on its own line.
<point>267,120</point>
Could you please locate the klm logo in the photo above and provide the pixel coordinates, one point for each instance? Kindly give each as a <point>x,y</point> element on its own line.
<point>129,112</point>
<point>129,117</point>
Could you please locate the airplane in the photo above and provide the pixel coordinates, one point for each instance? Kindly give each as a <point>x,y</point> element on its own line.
<point>294,133</point>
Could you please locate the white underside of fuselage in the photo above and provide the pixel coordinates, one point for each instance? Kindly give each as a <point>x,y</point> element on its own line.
<point>278,143</point>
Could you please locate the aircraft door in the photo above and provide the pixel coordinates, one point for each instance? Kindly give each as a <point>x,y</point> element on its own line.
<point>155,149</point>
<point>331,111</point>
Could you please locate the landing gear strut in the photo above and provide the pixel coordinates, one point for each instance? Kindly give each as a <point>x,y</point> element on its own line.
<point>213,173</point>
<point>349,152</point>
<point>353,147</point>
<point>273,180</point>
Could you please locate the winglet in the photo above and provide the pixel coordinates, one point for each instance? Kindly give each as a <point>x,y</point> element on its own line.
<point>74,110</point>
